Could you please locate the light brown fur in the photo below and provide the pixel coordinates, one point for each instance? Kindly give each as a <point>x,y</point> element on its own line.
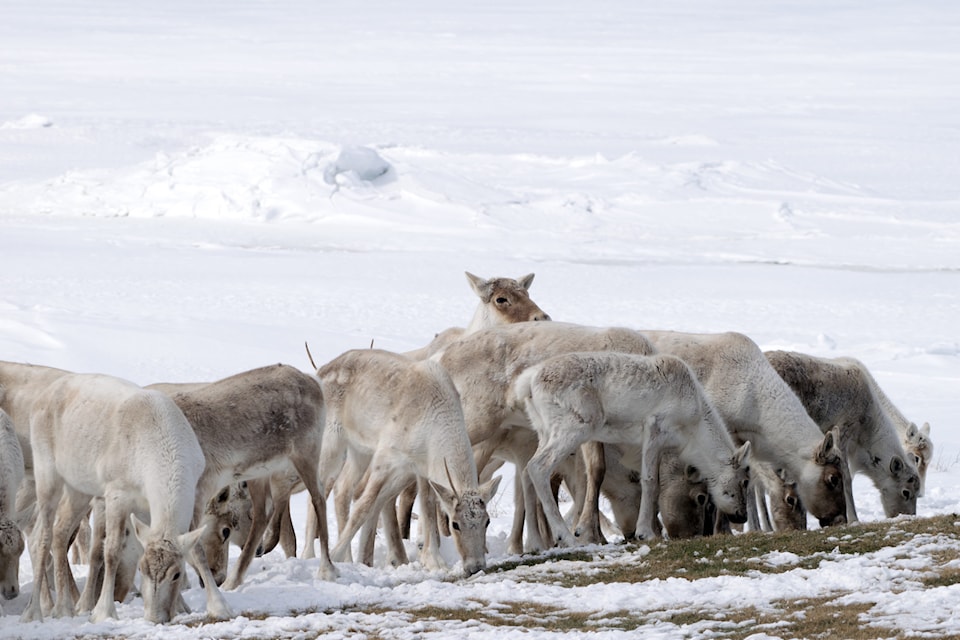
<point>251,425</point>
<point>397,420</point>
<point>484,365</point>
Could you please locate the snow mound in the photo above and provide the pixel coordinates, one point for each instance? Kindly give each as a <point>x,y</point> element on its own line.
<point>31,121</point>
<point>356,166</point>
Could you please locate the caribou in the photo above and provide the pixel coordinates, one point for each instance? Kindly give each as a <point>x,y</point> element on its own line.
<point>251,426</point>
<point>502,301</point>
<point>651,402</point>
<point>11,536</point>
<point>751,399</point>
<point>484,365</point>
<point>840,392</point>
<point>398,420</point>
<point>97,435</point>
<point>683,492</point>
<point>759,407</point>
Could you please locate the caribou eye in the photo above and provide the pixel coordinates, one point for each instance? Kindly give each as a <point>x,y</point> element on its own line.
<point>225,533</point>
<point>501,300</point>
<point>176,576</point>
<point>456,526</point>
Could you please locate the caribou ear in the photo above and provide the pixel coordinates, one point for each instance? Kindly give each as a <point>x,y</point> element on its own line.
<point>190,539</point>
<point>526,281</point>
<point>912,432</point>
<point>742,455</point>
<point>446,496</point>
<point>480,286</point>
<point>489,488</point>
<point>827,450</point>
<point>923,441</point>
<point>140,529</point>
<point>896,465</point>
<point>692,473</point>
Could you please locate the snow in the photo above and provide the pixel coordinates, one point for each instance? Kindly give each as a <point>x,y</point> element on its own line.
<point>189,190</point>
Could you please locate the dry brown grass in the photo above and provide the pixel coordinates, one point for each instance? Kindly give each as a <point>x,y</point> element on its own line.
<point>813,618</point>
<point>700,558</point>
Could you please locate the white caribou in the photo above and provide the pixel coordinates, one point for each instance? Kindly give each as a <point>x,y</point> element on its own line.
<point>96,435</point>
<point>483,367</point>
<point>20,384</point>
<point>502,301</point>
<point>11,537</point>
<point>652,402</point>
<point>759,407</point>
<point>840,392</point>
<point>400,420</point>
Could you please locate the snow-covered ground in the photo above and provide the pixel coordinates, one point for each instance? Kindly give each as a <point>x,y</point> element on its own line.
<point>189,190</point>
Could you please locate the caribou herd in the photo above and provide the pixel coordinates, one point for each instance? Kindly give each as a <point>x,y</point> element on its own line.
<point>684,434</point>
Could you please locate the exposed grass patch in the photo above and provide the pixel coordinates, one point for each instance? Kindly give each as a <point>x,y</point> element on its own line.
<point>717,556</point>
<point>742,554</point>
<point>821,618</point>
<point>529,615</point>
<point>533,560</point>
<point>739,554</point>
<point>945,578</point>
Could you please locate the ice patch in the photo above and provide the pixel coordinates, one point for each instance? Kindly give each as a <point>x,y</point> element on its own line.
<point>779,558</point>
<point>357,166</point>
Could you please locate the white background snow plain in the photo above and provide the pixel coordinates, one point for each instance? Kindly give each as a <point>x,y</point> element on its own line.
<point>189,190</point>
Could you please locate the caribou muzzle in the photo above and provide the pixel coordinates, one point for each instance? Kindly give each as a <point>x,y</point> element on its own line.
<point>827,522</point>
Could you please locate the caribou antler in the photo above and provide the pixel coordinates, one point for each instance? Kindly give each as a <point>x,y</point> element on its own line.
<point>307,347</point>
<point>453,487</point>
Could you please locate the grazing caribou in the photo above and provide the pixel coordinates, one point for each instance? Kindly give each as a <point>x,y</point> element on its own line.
<point>484,365</point>
<point>651,402</point>
<point>759,407</point>
<point>683,495</point>
<point>398,420</point>
<point>11,536</point>
<point>96,435</point>
<point>785,512</point>
<point>916,440</point>
<point>250,426</point>
<point>840,392</point>
<point>501,301</point>
<point>227,519</point>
